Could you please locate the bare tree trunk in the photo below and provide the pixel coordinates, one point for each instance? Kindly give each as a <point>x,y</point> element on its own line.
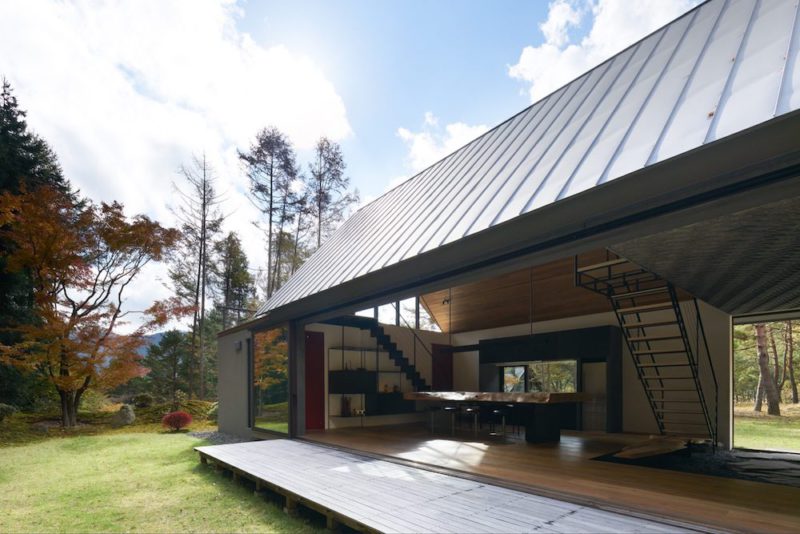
<point>766,382</point>
<point>790,362</point>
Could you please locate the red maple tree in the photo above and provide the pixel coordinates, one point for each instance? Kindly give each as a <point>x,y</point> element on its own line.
<point>81,258</point>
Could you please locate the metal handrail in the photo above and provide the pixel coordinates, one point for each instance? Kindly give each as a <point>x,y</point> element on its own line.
<point>702,331</point>
<point>413,331</point>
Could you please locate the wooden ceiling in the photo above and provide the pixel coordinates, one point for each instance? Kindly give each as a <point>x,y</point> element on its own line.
<point>506,299</point>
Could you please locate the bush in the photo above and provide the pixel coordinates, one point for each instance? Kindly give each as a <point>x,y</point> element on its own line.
<point>6,410</point>
<point>94,401</point>
<point>212,412</point>
<point>143,400</point>
<point>124,416</point>
<point>176,420</point>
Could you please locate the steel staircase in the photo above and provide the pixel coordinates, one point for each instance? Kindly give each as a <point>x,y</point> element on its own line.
<point>385,342</point>
<point>656,334</point>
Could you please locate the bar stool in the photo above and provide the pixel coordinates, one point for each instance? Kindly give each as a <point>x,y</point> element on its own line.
<point>452,410</point>
<point>474,412</point>
<point>512,418</point>
<point>433,410</point>
<point>498,413</point>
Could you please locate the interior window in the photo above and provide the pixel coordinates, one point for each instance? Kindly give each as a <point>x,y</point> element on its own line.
<point>559,376</point>
<point>514,379</point>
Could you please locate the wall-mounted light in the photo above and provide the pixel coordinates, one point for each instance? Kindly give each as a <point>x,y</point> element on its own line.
<point>238,346</point>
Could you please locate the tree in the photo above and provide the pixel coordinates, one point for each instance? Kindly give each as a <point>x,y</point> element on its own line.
<point>81,259</point>
<point>26,161</point>
<point>168,362</point>
<point>328,187</point>
<point>200,222</point>
<point>234,282</point>
<point>766,383</point>
<point>271,169</point>
<point>25,158</point>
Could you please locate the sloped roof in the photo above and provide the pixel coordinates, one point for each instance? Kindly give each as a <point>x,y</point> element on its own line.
<point>719,69</point>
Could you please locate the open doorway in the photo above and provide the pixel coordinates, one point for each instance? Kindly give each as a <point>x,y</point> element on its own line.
<point>765,388</point>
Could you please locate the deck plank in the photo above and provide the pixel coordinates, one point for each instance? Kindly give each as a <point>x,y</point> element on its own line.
<point>391,497</point>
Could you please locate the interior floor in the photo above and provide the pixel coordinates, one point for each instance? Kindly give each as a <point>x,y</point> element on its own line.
<point>566,469</point>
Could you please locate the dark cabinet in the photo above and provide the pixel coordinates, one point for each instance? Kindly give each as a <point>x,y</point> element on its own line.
<point>352,382</point>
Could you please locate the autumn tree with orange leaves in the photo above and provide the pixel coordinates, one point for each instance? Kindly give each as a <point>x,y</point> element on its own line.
<point>81,258</point>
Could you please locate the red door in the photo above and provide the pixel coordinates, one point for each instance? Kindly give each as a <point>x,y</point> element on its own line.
<point>315,381</point>
<point>442,368</point>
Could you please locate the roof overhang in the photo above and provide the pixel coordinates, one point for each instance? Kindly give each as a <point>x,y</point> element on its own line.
<point>755,166</point>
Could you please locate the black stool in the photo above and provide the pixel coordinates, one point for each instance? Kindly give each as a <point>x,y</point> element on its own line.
<point>498,413</point>
<point>433,410</point>
<point>511,417</point>
<point>474,412</point>
<point>452,410</point>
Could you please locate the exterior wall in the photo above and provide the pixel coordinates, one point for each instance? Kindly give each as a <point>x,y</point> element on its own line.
<point>232,384</point>
<point>636,415</point>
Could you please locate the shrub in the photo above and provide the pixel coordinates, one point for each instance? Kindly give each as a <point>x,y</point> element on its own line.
<point>6,410</point>
<point>124,416</point>
<point>212,412</point>
<point>143,400</point>
<point>176,420</point>
<point>94,401</point>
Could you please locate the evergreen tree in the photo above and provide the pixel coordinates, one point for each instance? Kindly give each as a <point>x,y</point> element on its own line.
<point>168,361</point>
<point>271,169</point>
<point>201,221</point>
<point>26,161</point>
<point>330,196</point>
<point>234,283</point>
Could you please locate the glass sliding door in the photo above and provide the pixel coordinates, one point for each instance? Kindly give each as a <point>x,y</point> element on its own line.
<point>271,379</point>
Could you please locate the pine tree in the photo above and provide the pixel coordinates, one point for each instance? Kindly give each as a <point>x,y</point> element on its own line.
<point>234,283</point>
<point>271,169</point>
<point>329,188</point>
<point>168,361</point>
<point>201,221</point>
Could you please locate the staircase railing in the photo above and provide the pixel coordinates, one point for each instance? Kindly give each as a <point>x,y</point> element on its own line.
<point>704,364</point>
<point>417,339</point>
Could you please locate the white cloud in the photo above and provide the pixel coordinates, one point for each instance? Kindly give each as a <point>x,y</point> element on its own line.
<point>560,18</point>
<point>433,143</point>
<point>615,24</point>
<point>125,92</point>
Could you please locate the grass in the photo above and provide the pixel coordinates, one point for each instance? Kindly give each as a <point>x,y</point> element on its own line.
<point>274,417</point>
<point>139,479</point>
<point>753,430</point>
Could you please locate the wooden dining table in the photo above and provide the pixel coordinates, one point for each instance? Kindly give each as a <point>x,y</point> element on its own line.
<point>537,410</point>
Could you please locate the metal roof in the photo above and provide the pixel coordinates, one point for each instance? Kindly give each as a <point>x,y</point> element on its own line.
<point>719,69</point>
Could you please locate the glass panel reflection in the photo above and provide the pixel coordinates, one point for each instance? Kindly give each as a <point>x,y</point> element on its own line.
<point>271,379</point>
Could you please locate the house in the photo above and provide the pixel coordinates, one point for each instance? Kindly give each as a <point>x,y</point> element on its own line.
<point>597,245</point>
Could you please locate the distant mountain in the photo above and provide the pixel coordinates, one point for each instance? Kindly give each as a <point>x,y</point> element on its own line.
<point>152,339</point>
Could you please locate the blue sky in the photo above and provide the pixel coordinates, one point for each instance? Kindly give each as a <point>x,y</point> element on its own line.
<point>127,91</point>
<point>395,61</point>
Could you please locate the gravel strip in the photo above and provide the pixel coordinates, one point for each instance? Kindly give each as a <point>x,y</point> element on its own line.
<point>218,438</point>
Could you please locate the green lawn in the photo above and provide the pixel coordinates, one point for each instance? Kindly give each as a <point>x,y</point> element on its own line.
<point>765,432</point>
<point>126,481</point>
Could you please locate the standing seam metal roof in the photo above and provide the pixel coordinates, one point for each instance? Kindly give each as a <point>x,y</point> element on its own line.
<point>723,67</point>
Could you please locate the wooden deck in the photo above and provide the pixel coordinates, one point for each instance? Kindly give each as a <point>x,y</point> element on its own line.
<point>377,495</point>
<point>566,471</point>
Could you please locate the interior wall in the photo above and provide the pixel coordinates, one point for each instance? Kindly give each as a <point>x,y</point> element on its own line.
<point>637,416</point>
<point>337,336</point>
<point>232,386</point>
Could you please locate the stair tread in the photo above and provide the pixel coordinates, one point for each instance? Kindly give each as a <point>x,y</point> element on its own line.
<point>662,410</point>
<point>646,339</point>
<point>668,377</point>
<point>601,265</point>
<point>645,324</point>
<point>641,292</point>
<point>680,390</point>
<point>663,365</point>
<point>661,351</point>
<point>646,308</point>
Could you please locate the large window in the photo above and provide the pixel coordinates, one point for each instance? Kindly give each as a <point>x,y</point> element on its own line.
<point>560,376</point>
<point>412,314</point>
<point>271,380</point>
<point>554,376</point>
